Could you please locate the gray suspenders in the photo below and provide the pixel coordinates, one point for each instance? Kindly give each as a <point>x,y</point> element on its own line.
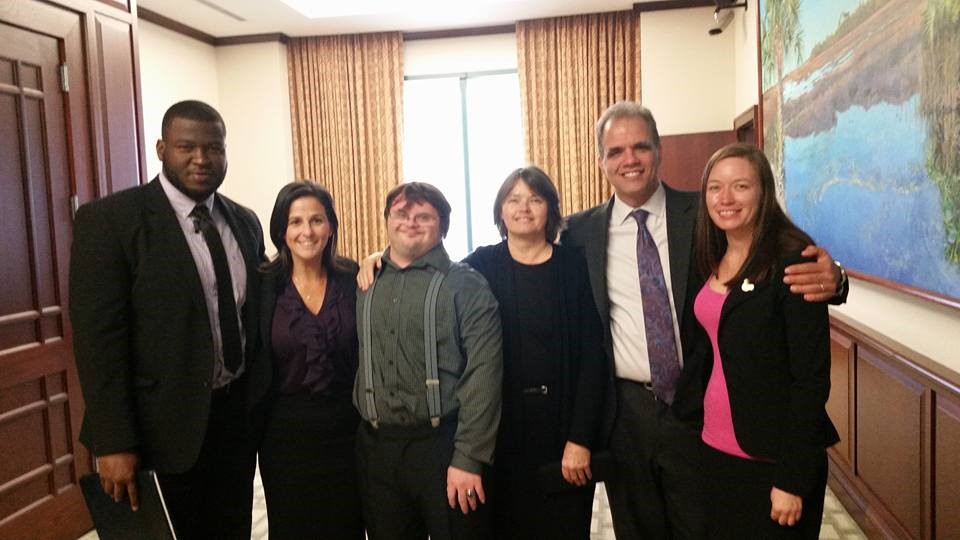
<point>430,348</point>
<point>430,352</point>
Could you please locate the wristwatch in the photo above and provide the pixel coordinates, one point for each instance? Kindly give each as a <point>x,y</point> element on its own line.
<point>842,286</point>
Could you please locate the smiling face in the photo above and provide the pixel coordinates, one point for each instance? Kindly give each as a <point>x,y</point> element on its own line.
<point>194,156</point>
<point>413,229</point>
<point>524,212</point>
<point>732,195</point>
<point>308,231</point>
<point>630,159</point>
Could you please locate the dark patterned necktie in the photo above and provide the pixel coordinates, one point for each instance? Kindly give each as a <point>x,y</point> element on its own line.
<point>657,317</point>
<point>226,305</point>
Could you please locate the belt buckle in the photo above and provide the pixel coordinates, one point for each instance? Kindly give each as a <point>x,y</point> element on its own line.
<point>541,390</point>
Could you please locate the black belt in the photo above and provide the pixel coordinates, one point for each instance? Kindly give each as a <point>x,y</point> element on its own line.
<point>410,431</point>
<point>646,385</point>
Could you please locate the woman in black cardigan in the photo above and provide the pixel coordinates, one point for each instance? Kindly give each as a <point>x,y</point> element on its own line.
<point>308,324</point>
<point>554,370</point>
<point>764,357</point>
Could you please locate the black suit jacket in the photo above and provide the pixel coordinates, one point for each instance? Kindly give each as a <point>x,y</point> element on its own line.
<point>587,231</point>
<point>142,338</point>
<point>776,361</point>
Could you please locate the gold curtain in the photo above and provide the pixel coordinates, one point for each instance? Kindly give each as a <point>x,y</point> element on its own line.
<point>345,101</point>
<point>571,69</point>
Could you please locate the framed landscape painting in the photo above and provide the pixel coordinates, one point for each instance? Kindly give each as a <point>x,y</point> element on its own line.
<point>861,122</point>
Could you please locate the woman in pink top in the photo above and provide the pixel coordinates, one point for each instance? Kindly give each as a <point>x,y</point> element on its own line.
<point>764,357</point>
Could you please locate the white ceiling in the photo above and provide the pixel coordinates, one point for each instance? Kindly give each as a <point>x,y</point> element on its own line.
<point>218,18</point>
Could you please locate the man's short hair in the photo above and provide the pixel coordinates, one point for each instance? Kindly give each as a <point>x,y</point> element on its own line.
<point>191,109</point>
<point>626,109</point>
<point>421,192</point>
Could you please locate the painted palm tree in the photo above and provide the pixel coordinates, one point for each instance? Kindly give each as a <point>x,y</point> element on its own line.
<point>781,37</point>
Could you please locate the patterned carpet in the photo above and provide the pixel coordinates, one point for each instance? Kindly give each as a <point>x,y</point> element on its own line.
<point>837,523</point>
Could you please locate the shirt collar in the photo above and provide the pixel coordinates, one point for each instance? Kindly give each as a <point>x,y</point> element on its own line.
<point>181,203</point>
<point>436,258</point>
<point>656,205</point>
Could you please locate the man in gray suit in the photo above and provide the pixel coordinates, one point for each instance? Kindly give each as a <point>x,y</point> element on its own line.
<point>650,421</point>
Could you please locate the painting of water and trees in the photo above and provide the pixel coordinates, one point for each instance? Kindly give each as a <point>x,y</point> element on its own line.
<point>861,122</point>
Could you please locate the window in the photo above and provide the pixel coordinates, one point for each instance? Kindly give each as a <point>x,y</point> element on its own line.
<point>463,134</point>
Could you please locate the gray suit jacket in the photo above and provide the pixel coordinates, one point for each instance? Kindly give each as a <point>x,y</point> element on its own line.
<point>587,231</point>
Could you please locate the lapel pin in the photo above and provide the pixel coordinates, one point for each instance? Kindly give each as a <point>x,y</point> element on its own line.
<point>746,286</point>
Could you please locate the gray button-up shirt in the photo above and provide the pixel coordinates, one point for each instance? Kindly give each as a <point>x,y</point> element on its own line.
<point>469,351</point>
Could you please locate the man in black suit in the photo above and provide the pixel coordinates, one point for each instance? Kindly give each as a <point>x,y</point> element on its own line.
<point>651,425</point>
<point>163,302</point>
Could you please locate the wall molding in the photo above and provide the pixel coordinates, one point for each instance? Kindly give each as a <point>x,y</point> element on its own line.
<point>663,5</point>
<point>174,26</point>
<point>461,32</point>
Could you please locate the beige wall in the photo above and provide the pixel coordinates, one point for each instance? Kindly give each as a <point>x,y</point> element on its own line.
<point>247,84</point>
<point>687,76</point>
<point>255,103</point>
<point>457,55</point>
<point>173,67</point>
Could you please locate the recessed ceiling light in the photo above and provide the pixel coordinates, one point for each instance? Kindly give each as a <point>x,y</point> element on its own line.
<point>322,10</point>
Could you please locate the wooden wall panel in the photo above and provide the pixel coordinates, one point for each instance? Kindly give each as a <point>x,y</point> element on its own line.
<point>947,469</point>
<point>839,404</point>
<point>118,103</point>
<point>888,438</point>
<point>684,156</point>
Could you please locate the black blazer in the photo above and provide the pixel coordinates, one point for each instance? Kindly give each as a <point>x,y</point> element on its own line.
<point>583,368</point>
<point>587,232</point>
<point>142,338</point>
<point>776,361</point>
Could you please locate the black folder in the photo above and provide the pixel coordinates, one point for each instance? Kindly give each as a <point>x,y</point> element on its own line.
<point>116,521</point>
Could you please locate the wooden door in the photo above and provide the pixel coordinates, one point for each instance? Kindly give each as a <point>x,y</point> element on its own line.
<point>40,401</point>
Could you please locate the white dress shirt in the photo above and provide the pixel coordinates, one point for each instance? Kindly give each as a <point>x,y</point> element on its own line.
<point>182,206</point>
<point>623,284</point>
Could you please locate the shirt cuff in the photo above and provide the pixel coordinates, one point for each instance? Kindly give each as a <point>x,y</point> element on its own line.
<point>462,461</point>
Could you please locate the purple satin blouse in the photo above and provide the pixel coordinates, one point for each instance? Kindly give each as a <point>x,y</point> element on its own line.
<point>315,353</point>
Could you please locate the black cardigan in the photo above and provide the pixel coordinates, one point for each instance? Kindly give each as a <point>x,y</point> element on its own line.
<point>582,363</point>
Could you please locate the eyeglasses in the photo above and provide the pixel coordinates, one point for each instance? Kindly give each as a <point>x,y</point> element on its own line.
<point>419,219</point>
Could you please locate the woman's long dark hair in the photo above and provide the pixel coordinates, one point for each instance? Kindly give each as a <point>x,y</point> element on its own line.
<point>773,236</point>
<point>283,261</point>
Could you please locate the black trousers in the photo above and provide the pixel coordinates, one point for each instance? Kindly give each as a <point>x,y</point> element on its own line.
<point>530,436</point>
<point>657,491</point>
<point>738,492</point>
<point>308,468</point>
<point>403,485</point>
<point>523,511</point>
<point>214,498</point>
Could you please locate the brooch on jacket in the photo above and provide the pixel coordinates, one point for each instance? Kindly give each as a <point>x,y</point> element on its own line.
<point>746,286</point>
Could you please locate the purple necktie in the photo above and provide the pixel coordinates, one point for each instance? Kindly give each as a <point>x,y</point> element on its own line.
<point>657,317</point>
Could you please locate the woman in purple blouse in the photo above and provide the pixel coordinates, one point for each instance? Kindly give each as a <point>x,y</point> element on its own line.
<point>764,356</point>
<point>308,324</point>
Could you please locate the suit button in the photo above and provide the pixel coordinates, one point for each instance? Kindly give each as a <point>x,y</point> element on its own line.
<point>206,384</point>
